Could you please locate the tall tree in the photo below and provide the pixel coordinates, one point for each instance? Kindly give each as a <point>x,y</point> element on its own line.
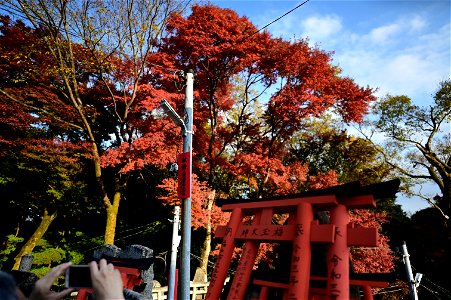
<point>239,151</point>
<point>418,143</point>
<point>97,53</point>
<point>306,84</point>
<point>40,164</point>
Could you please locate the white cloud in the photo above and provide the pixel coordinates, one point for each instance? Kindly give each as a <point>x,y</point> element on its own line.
<point>408,53</point>
<point>315,28</point>
<point>401,27</point>
<point>384,33</point>
<point>407,72</point>
<point>397,30</point>
<point>321,27</point>
<point>401,57</point>
<point>417,23</point>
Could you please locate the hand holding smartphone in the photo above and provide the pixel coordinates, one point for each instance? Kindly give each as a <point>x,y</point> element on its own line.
<point>78,276</point>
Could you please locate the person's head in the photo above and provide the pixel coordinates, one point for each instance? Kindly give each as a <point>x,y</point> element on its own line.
<point>25,281</point>
<point>7,287</point>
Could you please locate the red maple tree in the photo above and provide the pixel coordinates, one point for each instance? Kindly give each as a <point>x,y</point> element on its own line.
<point>93,100</point>
<point>240,144</point>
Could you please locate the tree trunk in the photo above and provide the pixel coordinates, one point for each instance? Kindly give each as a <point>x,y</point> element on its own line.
<point>206,247</point>
<point>111,218</point>
<point>28,247</point>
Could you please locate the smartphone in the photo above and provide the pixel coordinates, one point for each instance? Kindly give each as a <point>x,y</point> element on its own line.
<point>78,276</point>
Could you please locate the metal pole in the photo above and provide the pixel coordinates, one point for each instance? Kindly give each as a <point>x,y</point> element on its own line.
<point>186,204</point>
<point>413,288</point>
<point>175,244</point>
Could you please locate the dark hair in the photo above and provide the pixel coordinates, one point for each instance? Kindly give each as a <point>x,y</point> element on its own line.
<point>7,287</point>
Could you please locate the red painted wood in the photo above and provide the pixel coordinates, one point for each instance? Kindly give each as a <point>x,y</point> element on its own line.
<point>225,255</point>
<point>318,293</point>
<point>362,237</point>
<point>220,231</point>
<point>247,260</point>
<point>301,256</point>
<point>184,175</point>
<point>83,294</point>
<point>261,232</point>
<point>176,283</point>
<point>277,285</point>
<point>303,231</point>
<point>328,201</point>
<point>358,282</point>
<point>263,293</point>
<point>362,201</point>
<point>367,293</point>
<point>338,256</point>
<point>322,233</point>
<point>130,278</point>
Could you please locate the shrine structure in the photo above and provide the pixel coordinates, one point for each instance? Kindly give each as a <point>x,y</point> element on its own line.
<point>303,230</point>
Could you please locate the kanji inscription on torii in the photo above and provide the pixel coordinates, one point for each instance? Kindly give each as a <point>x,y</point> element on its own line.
<point>302,230</point>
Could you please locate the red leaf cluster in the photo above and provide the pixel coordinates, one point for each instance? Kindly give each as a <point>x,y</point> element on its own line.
<point>219,45</point>
<point>372,260</point>
<point>200,195</point>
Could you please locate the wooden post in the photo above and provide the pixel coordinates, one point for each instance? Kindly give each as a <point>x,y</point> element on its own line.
<point>338,256</point>
<point>263,293</point>
<point>301,257</point>
<point>225,255</point>
<point>367,293</point>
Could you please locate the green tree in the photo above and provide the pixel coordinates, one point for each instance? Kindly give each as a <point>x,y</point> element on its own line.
<point>45,181</point>
<point>418,143</point>
<point>325,144</point>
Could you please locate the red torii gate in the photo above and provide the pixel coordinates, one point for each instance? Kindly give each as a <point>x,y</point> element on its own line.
<point>302,230</point>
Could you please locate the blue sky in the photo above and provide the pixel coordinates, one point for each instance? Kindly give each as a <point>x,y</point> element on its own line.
<point>399,47</point>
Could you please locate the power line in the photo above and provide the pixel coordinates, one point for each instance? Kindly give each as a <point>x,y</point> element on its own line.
<point>442,289</point>
<point>127,230</point>
<point>431,291</point>
<point>180,72</point>
<point>120,232</point>
<point>211,264</point>
<point>274,21</point>
<point>133,234</point>
<point>387,292</point>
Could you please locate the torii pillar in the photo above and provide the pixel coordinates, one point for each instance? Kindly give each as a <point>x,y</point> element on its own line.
<point>338,256</point>
<point>301,256</point>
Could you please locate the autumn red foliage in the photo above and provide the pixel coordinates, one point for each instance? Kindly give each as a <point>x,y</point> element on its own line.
<point>200,194</point>
<point>235,146</point>
<point>372,260</point>
<point>253,91</point>
<point>241,133</point>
